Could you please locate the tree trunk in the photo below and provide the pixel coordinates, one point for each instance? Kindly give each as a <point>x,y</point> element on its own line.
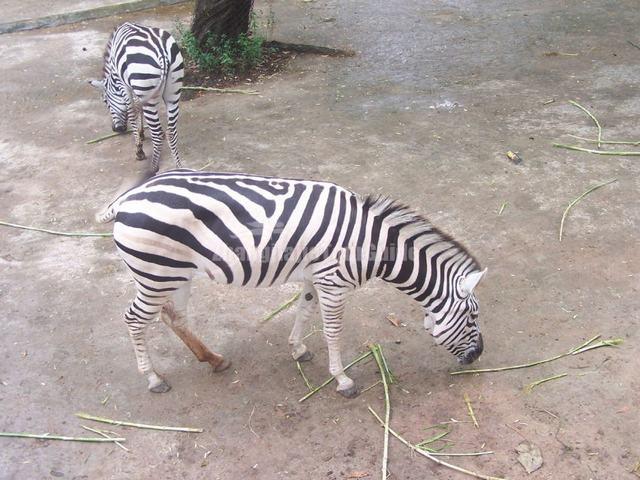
<point>220,17</point>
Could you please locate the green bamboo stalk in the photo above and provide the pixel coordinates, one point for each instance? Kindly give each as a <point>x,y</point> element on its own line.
<point>282,307</point>
<point>597,152</point>
<point>431,456</point>
<point>331,379</point>
<point>576,200</point>
<point>86,416</point>
<point>606,142</point>
<point>574,351</point>
<point>55,232</point>
<point>595,120</point>
<point>533,385</point>
<point>46,436</point>
<point>376,350</point>
<point>100,432</point>
<point>304,377</point>
<point>223,90</point>
<point>111,135</point>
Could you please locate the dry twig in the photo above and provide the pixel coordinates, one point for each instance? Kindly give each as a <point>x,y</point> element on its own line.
<point>467,400</point>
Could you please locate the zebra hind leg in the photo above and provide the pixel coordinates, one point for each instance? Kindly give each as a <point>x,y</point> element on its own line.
<point>174,314</point>
<point>306,307</point>
<point>172,132</point>
<point>136,121</point>
<point>150,112</point>
<point>142,310</point>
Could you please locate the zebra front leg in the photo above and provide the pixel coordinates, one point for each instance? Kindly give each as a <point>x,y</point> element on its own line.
<point>306,306</point>
<point>141,311</point>
<point>150,112</point>
<point>332,307</point>
<point>136,122</point>
<point>174,314</point>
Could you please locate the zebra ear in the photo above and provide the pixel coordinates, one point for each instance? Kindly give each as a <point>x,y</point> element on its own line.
<point>99,84</point>
<point>470,282</point>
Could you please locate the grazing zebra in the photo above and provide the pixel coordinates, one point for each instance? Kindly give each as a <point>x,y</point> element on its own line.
<point>143,65</point>
<point>259,231</point>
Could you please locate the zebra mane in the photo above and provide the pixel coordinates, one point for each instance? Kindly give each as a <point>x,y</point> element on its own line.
<point>107,53</point>
<point>409,218</point>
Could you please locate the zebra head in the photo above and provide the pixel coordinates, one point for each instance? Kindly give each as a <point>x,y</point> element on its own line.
<point>453,321</point>
<point>116,99</point>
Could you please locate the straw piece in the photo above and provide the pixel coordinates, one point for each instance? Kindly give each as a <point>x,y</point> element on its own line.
<point>86,416</point>
<point>595,120</point>
<point>282,307</point>
<point>502,207</point>
<point>576,200</point>
<point>46,436</point>
<point>331,379</point>
<point>55,232</point>
<point>431,456</point>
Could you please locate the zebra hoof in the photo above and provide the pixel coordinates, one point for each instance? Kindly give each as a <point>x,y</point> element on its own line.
<point>162,387</point>
<point>349,392</point>
<point>140,156</point>
<point>222,366</point>
<point>305,357</point>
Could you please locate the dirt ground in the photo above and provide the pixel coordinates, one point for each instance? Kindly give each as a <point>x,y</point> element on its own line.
<point>438,92</point>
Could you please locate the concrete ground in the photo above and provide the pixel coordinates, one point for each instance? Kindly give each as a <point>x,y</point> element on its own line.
<point>425,112</point>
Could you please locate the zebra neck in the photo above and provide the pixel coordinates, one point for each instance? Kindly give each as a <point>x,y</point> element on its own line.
<point>423,263</point>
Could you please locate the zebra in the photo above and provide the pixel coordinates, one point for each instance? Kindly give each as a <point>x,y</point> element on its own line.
<point>257,231</point>
<point>143,65</point>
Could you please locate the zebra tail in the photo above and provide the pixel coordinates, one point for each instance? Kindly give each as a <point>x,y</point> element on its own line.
<point>107,214</point>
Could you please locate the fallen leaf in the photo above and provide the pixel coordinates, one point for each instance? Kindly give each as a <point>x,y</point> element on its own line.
<point>529,456</point>
<point>393,319</point>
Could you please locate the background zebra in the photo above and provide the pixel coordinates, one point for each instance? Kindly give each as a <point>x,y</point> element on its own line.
<point>143,65</point>
<point>258,231</point>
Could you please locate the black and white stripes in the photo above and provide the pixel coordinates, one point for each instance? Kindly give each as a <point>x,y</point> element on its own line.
<point>142,66</point>
<point>259,231</point>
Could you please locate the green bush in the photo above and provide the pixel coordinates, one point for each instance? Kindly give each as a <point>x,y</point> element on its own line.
<point>227,55</point>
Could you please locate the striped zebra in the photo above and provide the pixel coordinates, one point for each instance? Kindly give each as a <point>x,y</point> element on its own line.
<point>259,231</point>
<point>142,66</point>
